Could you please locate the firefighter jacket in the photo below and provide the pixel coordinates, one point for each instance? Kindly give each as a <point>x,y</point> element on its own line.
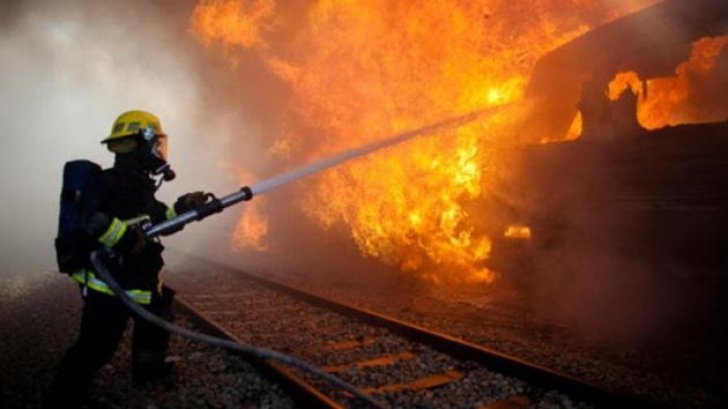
<point>112,202</point>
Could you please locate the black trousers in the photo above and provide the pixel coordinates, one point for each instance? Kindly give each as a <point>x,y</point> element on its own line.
<point>103,321</point>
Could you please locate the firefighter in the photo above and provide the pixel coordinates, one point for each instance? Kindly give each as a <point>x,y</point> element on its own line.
<point>111,208</point>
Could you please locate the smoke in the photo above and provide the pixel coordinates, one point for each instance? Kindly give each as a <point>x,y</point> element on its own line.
<point>68,69</point>
<point>604,258</point>
<point>589,283</point>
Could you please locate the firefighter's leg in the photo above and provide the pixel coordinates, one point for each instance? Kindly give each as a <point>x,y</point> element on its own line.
<point>102,325</point>
<point>150,343</point>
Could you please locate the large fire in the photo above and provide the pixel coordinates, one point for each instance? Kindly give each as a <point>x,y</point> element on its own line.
<point>359,70</point>
<point>681,98</point>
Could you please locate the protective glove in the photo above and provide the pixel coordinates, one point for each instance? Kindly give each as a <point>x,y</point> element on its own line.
<point>190,201</point>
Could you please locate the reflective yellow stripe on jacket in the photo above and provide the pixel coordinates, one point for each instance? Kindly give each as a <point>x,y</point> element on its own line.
<point>143,218</point>
<point>88,278</point>
<point>114,233</point>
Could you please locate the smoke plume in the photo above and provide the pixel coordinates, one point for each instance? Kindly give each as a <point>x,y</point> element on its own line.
<point>68,69</point>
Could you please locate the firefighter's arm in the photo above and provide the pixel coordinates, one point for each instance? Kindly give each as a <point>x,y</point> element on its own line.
<point>114,233</point>
<point>104,228</point>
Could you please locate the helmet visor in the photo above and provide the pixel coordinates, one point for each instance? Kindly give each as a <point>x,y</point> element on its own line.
<point>160,147</point>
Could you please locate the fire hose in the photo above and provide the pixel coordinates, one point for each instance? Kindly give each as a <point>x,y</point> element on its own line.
<point>258,352</point>
<point>215,205</point>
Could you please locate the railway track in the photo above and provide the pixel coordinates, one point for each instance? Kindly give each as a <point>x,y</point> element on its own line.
<point>400,364</point>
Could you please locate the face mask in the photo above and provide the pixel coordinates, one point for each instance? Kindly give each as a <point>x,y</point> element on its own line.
<point>157,148</point>
<point>157,143</point>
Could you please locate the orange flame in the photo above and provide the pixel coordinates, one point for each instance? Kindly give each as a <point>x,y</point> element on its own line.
<point>671,101</point>
<point>362,69</point>
<point>252,229</point>
<point>235,22</point>
<point>518,232</point>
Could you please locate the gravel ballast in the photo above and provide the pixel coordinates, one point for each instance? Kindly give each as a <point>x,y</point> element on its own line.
<point>265,317</point>
<point>39,317</point>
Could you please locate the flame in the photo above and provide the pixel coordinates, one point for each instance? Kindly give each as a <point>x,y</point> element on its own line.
<point>236,22</point>
<point>518,232</point>
<point>573,133</point>
<point>359,70</point>
<point>251,230</point>
<point>676,100</point>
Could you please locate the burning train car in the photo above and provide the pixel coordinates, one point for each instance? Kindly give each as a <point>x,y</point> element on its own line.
<point>466,204</point>
<point>632,161</point>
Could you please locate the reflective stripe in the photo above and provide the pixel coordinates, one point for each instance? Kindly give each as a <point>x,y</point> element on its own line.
<point>114,233</point>
<point>137,220</point>
<point>88,279</point>
<point>171,213</point>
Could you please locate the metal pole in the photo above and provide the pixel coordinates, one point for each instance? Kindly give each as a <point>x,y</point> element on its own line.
<point>213,207</point>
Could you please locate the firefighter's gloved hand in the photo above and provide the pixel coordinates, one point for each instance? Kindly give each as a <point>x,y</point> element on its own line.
<point>190,201</point>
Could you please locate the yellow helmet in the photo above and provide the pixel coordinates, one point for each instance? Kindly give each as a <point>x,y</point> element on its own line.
<point>130,123</point>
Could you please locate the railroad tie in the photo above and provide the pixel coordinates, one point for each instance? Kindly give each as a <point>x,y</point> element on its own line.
<point>350,344</point>
<point>427,382</point>
<point>371,363</point>
<point>511,402</point>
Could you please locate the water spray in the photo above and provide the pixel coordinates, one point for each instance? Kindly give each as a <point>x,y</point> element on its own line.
<point>246,193</point>
<point>99,258</point>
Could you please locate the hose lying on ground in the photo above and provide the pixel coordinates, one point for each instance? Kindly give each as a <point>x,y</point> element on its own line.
<point>261,353</point>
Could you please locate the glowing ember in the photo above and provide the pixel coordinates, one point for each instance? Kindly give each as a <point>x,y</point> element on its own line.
<point>518,232</point>
<point>685,98</point>
<point>359,70</point>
